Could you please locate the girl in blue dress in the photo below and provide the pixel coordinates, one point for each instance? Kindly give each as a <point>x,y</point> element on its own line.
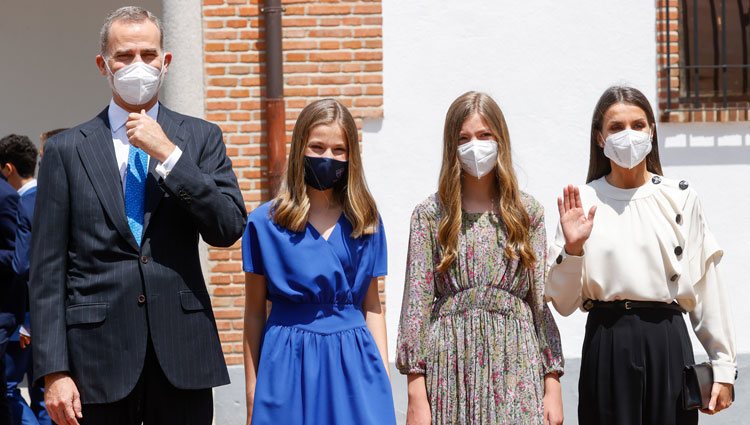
<point>316,252</point>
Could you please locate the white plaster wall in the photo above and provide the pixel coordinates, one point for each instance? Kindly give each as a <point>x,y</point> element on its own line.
<point>546,63</point>
<point>48,73</point>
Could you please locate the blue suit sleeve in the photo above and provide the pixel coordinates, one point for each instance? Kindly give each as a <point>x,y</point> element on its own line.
<point>23,242</point>
<point>8,217</point>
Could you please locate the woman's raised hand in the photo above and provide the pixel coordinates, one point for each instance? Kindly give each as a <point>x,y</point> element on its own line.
<point>576,225</point>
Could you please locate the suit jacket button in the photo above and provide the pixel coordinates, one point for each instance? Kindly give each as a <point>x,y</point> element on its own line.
<point>678,219</point>
<point>678,251</point>
<point>145,259</point>
<point>559,259</point>
<point>141,299</point>
<point>674,277</point>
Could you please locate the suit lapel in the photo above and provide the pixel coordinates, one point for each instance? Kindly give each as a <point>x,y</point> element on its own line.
<point>97,153</point>
<point>172,126</point>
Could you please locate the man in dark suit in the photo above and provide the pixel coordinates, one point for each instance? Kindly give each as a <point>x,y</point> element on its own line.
<point>8,305</point>
<point>18,157</point>
<point>122,322</point>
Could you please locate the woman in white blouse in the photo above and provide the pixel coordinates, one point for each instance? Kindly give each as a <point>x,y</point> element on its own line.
<point>634,250</point>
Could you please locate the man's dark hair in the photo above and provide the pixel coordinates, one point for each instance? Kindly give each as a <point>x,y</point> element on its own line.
<point>19,151</point>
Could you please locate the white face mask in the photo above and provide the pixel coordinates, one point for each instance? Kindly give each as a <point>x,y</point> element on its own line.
<point>136,83</point>
<point>478,157</point>
<point>627,148</point>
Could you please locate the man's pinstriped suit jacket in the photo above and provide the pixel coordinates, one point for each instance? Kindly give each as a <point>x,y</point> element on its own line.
<point>96,297</point>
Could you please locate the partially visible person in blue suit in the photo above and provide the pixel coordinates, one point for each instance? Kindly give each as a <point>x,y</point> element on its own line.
<point>8,316</point>
<point>18,157</point>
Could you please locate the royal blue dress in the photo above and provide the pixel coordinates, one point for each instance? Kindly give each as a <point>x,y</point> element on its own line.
<point>319,364</point>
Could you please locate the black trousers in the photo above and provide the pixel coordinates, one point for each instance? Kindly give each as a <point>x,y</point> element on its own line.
<point>631,368</point>
<point>154,401</point>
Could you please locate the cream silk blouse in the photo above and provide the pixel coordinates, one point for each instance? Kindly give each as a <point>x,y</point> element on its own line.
<point>651,243</point>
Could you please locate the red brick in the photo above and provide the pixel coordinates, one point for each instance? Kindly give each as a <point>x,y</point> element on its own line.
<point>248,11</point>
<point>213,47</point>
<point>215,70</point>
<point>367,9</point>
<point>239,69</point>
<point>223,82</point>
<point>228,313</point>
<point>331,79</point>
<point>329,9</point>
<point>220,35</point>
<point>298,22</point>
<point>300,45</point>
<point>214,24</point>
<point>234,359</point>
<point>230,336</point>
<point>229,291</point>
<point>334,33</point>
<point>239,47</point>
<point>329,45</point>
<point>337,56</point>
<point>368,32</point>
<point>220,57</point>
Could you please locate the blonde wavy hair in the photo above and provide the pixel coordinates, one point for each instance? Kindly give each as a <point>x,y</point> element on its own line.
<point>292,205</point>
<point>512,212</point>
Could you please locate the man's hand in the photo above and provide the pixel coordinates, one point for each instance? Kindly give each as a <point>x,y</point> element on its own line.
<point>62,399</point>
<point>145,133</point>
<point>24,340</point>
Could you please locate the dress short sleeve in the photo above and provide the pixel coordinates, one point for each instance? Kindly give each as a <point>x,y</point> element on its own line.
<point>379,252</point>
<point>252,258</point>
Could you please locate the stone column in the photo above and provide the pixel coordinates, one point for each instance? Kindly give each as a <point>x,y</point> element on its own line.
<point>183,89</point>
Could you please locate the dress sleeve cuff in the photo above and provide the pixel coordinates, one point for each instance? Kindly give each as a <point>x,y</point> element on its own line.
<point>411,366</point>
<point>552,362</point>
<point>566,263</point>
<point>163,169</point>
<point>411,371</point>
<point>723,372</point>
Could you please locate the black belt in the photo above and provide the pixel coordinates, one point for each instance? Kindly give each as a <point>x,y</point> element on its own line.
<point>624,305</point>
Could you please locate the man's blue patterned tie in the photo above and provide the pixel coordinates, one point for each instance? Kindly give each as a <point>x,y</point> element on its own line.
<point>135,190</point>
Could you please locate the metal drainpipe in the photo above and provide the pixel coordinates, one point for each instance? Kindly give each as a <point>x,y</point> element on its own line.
<point>274,102</point>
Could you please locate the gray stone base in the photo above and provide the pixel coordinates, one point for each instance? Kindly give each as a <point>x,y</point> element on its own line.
<point>229,401</point>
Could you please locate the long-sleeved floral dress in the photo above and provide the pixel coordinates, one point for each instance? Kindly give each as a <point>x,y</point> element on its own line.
<point>481,333</point>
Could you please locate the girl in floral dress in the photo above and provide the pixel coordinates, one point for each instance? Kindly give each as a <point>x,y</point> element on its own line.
<point>476,338</point>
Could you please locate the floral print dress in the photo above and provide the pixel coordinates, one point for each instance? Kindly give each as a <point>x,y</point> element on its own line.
<point>481,332</point>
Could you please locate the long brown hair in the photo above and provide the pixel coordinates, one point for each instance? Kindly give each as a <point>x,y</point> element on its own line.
<point>292,205</point>
<point>599,164</point>
<point>512,211</point>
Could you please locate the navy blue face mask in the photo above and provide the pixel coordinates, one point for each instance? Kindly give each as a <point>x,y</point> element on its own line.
<point>325,173</point>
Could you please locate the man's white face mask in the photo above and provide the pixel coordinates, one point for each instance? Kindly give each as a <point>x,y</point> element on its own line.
<point>478,157</point>
<point>136,83</point>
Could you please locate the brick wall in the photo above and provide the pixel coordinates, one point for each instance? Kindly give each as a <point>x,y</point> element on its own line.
<point>331,49</point>
<point>668,39</point>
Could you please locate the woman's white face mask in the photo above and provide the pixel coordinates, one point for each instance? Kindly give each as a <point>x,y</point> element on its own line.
<point>478,157</point>
<point>627,148</point>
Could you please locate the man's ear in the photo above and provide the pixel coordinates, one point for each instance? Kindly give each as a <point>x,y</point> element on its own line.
<point>7,169</point>
<point>101,65</point>
<point>167,61</point>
